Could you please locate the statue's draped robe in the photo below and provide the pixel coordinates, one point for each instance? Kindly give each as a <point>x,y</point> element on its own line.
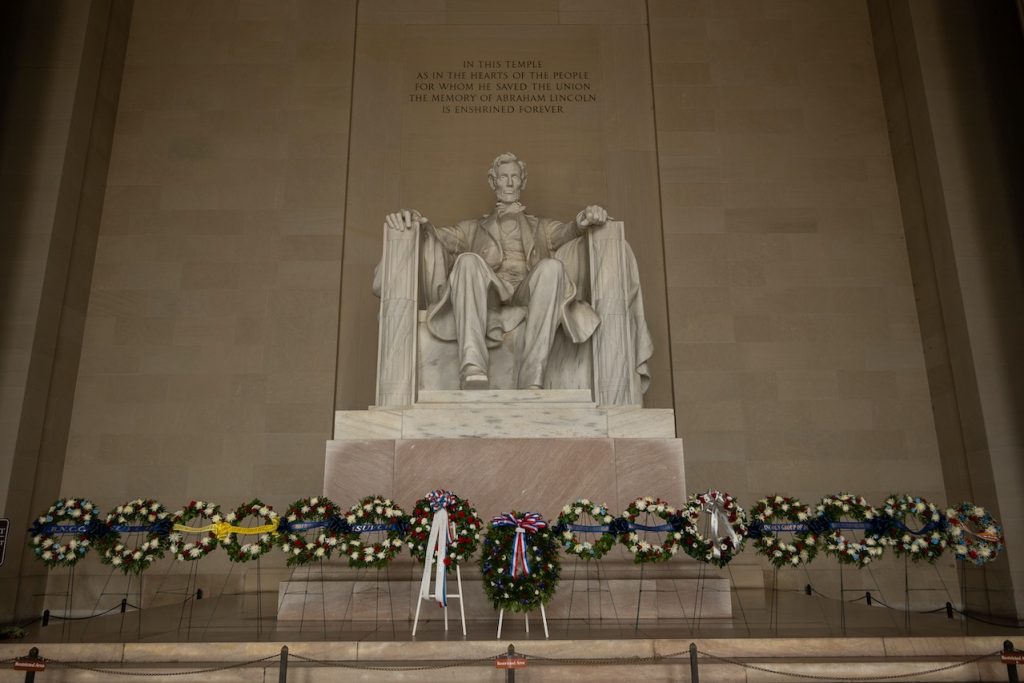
<point>542,238</point>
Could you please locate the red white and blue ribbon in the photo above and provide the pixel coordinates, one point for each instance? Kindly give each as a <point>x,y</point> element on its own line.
<point>437,546</point>
<point>529,523</point>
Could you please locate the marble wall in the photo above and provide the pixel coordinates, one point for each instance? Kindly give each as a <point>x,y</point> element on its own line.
<point>948,73</point>
<point>796,352</point>
<point>744,144</point>
<point>207,367</point>
<point>60,65</point>
<point>413,154</point>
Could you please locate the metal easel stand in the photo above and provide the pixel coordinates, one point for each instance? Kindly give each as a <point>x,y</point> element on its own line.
<point>432,597</point>
<point>526,615</point>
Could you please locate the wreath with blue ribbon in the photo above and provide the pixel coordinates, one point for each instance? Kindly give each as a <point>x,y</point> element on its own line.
<point>637,539</point>
<point>599,521</point>
<point>929,541</point>
<point>139,516</point>
<point>308,514</point>
<point>373,515</point>
<point>837,512</point>
<point>74,517</point>
<point>519,562</point>
<point>773,515</point>
<point>979,545</point>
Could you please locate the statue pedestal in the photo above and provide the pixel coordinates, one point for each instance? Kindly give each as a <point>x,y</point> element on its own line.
<point>505,450</point>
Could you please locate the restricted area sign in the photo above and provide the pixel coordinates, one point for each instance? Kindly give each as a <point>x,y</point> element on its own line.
<point>5,524</point>
<point>1014,657</point>
<point>510,662</point>
<point>26,664</point>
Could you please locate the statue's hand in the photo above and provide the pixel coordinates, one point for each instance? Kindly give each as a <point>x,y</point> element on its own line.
<point>404,219</point>
<point>590,216</point>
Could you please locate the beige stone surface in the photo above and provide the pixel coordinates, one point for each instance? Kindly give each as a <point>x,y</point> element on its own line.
<point>797,357</point>
<point>548,473</point>
<point>210,335</point>
<point>366,600</point>
<point>410,154</point>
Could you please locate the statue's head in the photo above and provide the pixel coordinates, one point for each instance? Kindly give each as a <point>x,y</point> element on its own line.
<point>507,177</point>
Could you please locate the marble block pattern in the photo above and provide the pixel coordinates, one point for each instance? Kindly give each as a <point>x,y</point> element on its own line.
<point>501,474</point>
<point>451,414</point>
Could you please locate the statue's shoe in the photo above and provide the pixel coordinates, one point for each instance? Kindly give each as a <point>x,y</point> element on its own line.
<point>475,378</point>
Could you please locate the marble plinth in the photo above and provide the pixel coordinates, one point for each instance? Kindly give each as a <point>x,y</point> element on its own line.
<point>453,414</point>
<point>504,474</point>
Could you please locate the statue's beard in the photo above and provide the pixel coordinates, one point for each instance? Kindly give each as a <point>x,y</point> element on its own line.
<point>508,197</point>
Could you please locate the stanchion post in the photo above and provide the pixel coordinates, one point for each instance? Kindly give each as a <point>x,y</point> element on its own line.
<point>510,674</point>
<point>46,617</point>
<point>694,672</point>
<point>949,610</point>
<point>30,676</point>
<point>282,670</point>
<point>867,597</point>
<point>1011,669</point>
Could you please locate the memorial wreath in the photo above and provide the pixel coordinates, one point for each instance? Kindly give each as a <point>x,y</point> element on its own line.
<point>316,514</point>
<point>725,515</point>
<point>373,514</point>
<point>776,514</point>
<point>465,527</point>
<point>519,562</point>
<point>979,545</point>
<point>139,516</point>
<point>643,549</point>
<point>568,528</point>
<point>81,514</point>
<point>244,552</point>
<point>929,541</point>
<point>832,511</point>
<point>186,550</point>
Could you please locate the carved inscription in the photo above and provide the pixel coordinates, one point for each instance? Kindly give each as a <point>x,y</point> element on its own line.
<point>503,86</point>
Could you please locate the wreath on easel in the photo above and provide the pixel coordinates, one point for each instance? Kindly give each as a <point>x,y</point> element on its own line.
<point>73,516</point>
<point>373,514</point>
<point>314,514</point>
<point>766,518</point>
<point>978,545</point>
<point>143,516</point>
<point>569,530</point>
<point>929,542</point>
<point>466,527</point>
<point>638,515</point>
<point>519,562</point>
<point>265,532</point>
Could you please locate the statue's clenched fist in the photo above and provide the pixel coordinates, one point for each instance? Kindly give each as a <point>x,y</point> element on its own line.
<point>404,219</point>
<point>590,216</point>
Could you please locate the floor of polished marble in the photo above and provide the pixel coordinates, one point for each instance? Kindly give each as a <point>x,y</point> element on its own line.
<point>238,618</point>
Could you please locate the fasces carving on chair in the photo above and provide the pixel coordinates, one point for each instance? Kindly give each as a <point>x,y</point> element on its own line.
<point>541,287</point>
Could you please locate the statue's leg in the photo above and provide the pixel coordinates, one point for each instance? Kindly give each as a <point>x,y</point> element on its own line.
<point>469,280</point>
<point>542,292</point>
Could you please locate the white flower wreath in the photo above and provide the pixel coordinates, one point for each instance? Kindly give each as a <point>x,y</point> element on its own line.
<point>81,513</point>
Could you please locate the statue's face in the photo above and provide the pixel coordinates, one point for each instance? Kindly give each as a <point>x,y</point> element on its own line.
<point>507,182</point>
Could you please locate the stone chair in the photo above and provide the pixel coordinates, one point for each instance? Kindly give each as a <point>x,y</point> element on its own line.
<point>411,360</point>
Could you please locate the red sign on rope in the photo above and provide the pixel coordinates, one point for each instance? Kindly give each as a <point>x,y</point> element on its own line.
<point>1014,657</point>
<point>510,662</point>
<point>26,664</point>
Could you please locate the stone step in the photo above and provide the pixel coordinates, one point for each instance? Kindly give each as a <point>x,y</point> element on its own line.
<point>509,420</point>
<point>576,397</point>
